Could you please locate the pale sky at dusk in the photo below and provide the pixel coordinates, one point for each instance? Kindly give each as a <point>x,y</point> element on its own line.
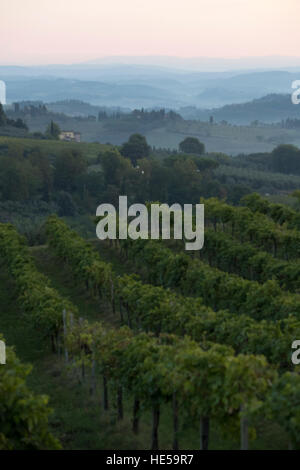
<point>68,31</point>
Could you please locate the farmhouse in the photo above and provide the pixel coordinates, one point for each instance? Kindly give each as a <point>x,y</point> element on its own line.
<point>70,136</point>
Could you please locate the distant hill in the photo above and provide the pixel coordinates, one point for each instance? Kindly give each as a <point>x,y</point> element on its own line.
<point>81,108</point>
<point>162,129</point>
<point>268,109</point>
<point>136,86</point>
<point>94,92</point>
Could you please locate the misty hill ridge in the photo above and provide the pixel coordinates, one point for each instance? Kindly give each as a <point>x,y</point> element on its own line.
<point>270,108</point>
<point>137,86</point>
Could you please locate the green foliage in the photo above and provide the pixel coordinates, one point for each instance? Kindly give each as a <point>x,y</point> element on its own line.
<point>68,166</point>
<point>37,169</point>
<point>66,204</point>
<point>115,167</point>
<point>254,227</point>
<point>157,309</point>
<point>23,415</point>
<point>207,377</point>
<point>53,131</point>
<point>24,174</point>
<point>286,159</point>
<point>54,147</point>
<point>205,380</point>
<point>135,148</point>
<point>5,122</point>
<point>19,180</point>
<point>192,145</point>
<point>256,180</point>
<point>218,289</point>
<point>41,303</point>
<point>223,251</point>
<point>283,405</point>
<point>280,213</point>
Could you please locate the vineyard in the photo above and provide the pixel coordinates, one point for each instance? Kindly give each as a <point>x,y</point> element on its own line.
<point>164,340</point>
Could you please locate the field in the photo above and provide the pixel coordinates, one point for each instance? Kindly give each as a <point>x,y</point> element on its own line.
<point>78,419</point>
<point>231,139</point>
<point>53,147</point>
<point>138,343</point>
<point>93,401</point>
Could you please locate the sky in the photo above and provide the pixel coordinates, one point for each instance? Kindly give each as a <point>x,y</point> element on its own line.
<point>70,31</point>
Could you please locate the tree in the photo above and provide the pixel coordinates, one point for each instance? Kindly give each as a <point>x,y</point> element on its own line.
<point>136,147</point>
<point>283,405</point>
<point>296,194</point>
<point>68,166</point>
<point>53,131</point>
<point>236,192</point>
<point>20,124</point>
<point>19,179</point>
<point>23,415</point>
<point>39,160</point>
<point>248,380</point>
<point>192,145</point>
<point>67,207</point>
<point>115,168</point>
<point>286,159</point>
